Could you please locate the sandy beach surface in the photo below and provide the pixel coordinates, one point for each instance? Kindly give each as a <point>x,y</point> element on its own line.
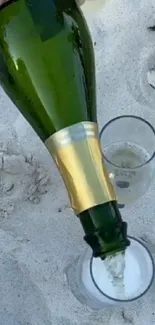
<point>39,234</point>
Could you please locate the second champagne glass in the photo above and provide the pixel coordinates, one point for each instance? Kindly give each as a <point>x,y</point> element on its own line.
<point>128,147</point>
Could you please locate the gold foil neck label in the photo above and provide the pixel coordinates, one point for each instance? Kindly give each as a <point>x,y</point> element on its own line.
<point>77,153</point>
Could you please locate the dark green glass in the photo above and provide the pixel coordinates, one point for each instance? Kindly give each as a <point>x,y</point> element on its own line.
<point>47,69</point>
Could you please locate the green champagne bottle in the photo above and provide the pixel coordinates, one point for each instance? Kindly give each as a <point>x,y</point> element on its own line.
<point>47,69</point>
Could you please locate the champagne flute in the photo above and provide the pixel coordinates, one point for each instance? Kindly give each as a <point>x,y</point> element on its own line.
<point>98,284</point>
<point>128,147</point>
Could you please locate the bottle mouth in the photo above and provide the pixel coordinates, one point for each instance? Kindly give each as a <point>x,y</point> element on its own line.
<point>100,239</point>
<point>115,250</point>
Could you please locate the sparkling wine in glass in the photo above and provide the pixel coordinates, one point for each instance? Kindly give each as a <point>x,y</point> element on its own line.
<point>128,146</point>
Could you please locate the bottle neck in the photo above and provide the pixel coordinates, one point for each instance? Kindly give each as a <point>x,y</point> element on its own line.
<point>77,153</point>
<point>105,231</point>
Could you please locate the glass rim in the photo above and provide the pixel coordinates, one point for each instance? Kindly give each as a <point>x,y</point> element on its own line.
<point>136,297</point>
<point>121,117</point>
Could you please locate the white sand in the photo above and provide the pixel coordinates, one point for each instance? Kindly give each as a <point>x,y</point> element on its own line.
<point>39,235</point>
